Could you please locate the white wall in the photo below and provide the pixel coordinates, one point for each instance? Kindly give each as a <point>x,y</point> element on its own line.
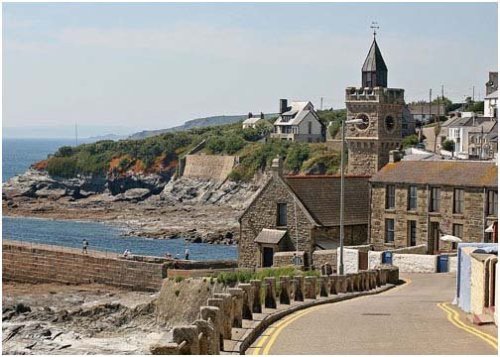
<point>452,264</point>
<point>415,263</point>
<point>374,259</point>
<point>304,127</point>
<point>351,260</point>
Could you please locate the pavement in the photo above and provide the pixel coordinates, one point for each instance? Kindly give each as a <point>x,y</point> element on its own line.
<point>414,318</point>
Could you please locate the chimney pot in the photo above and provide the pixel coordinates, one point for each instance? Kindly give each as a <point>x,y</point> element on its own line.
<point>250,115</point>
<point>283,105</point>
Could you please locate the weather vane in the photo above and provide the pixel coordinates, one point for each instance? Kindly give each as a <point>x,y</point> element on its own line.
<point>375,27</point>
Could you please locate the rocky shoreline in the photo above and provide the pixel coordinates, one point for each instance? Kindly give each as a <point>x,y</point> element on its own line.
<point>200,211</point>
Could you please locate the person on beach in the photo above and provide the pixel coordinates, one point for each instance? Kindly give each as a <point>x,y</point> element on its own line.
<point>126,253</point>
<point>186,254</point>
<point>85,245</point>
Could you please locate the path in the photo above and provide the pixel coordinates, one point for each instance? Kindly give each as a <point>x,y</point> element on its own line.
<point>403,320</point>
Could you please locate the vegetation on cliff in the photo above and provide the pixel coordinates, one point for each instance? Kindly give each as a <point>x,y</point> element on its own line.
<point>161,153</point>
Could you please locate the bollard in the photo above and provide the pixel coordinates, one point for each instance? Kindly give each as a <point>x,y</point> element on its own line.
<point>285,290</point>
<point>310,283</point>
<point>373,276</point>
<point>169,348</point>
<point>257,305</point>
<point>270,297</point>
<point>379,282</point>
<point>348,283</point>
<point>214,316</point>
<point>247,301</point>
<point>342,288</point>
<point>227,314</point>
<point>187,339</point>
<point>237,308</point>
<point>324,288</point>
<point>209,344</point>
<point>334,290</point>
<point>298,288</point>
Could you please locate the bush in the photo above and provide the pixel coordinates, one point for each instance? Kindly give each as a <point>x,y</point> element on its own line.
<point>296,156</point>
<point>449,145</point>
<point>178,279</point>
<point>410,141</point>
<point>62,167</point>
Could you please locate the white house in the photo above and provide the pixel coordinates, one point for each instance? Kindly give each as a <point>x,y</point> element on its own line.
<point>490,105</point>
<point>253,120</point>
<point>298,122</point>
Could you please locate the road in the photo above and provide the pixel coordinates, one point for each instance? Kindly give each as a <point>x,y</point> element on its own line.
<point>403,320</point>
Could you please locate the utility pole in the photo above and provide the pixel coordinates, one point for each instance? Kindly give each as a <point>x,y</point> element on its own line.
<point>321,106</point>
<point>430,103</point>
<point>473,94</point>
<point>76,134</point>
<point>442,91</point>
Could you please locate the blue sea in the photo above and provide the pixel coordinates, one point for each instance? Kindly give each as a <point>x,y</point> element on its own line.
<point>19,154</point>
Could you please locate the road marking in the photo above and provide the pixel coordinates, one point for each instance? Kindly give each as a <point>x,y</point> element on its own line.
<point>281,324</point>
<point>454,318</point>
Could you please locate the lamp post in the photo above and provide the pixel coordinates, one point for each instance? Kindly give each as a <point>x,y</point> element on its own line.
<point>342,154</point>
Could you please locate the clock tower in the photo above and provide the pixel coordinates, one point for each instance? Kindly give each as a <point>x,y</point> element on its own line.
<point>381,110</point>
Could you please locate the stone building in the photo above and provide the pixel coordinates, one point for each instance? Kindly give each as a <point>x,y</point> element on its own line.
<point>301,213</point>
<point>416,202</point>
<point>381,110</point>
<point>298,122</point>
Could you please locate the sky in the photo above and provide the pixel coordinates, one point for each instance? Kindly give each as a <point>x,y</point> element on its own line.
<point>121,68</point>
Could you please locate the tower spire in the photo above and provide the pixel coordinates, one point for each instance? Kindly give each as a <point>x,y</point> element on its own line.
<point>374,70</point>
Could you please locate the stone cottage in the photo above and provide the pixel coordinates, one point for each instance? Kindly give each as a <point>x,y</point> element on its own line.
<point>416,202</point>
<point>301,213</point>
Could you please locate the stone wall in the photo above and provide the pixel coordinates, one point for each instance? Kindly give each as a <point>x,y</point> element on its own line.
<point>209,167</point>
<point>415,263</point>
<point>321,257</point>
<point>418,249</point>
<point>374,259</point>
<point>262,214</point>
<point>471,219</point>
<point>351,260</point>
<point>49,264</point>
<point>282,259</point>
<point>452,264</point>
<point>353,234</point>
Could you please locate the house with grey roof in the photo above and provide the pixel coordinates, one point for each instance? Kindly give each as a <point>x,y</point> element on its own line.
<point>298,122</point>
<point>417,202</point>
<point>301,214</point>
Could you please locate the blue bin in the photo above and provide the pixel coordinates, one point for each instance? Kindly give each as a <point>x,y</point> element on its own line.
<point>443,264</point>
<point>387,258</point>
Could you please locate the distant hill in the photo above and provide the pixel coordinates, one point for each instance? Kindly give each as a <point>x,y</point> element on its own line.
<point>195,123</point>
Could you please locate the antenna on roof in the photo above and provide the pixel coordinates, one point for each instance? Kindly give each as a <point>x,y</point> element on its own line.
<point>375,27</point>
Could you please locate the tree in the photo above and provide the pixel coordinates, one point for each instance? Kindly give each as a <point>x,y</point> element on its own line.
<point>410,141</point>
<point>449,145</point>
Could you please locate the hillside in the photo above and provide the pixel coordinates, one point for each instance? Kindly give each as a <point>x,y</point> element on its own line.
<point>195,123</point>
<point>160,154</point>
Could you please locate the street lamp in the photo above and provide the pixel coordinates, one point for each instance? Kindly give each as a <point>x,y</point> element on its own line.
<point>342,154</point>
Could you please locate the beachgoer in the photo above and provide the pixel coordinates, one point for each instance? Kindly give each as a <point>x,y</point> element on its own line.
<point>85,245</point>
<point>126,253</point>
<point>186,253</point>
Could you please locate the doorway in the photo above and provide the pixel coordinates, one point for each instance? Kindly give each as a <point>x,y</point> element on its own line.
<point>267,257</point>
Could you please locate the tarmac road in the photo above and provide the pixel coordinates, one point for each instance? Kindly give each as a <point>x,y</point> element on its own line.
<point>403,320</point>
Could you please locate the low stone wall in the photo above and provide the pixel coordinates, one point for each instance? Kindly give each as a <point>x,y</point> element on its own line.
<point>418,249</point>
<point>231,320</point>
<point>36,263</point>
<point>351,260</point>
<point>452,264</point>
<point>374,259</point>
<point>361,248</point>
<point>327,256</point>
<point>415,263</point>
<point>282,259</point>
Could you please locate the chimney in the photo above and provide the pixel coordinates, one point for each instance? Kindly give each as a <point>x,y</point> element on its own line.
<point>395,156</point>
<point>250,115</point>
<point>283,105</point>
<point>277,166</point>
<point>261,115</point>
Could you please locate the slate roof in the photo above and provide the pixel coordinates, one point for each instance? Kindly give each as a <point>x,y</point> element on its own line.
<point>321,197</point>
<point>374,61</point>
<point>443,173</point>
<point>270,236</point>
<point>252,120</point>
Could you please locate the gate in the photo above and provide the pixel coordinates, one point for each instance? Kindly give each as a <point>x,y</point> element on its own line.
<point>363,261</point>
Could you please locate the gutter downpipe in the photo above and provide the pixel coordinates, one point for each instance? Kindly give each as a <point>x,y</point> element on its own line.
<point>484,214</point>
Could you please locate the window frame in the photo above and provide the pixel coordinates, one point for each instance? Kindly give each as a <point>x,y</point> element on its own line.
<point>279,212</point>
<point>390,196</point>
<point>412,228</point>
<point>388,231</point>
<point>412,198</point>
<point>492,203</point>
<point>458,200</point>
<point>434,201</point>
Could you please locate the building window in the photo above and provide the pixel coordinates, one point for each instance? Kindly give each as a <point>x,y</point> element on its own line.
<point>309,127</point>
<point>281,215</point>
<point>492,203</point>
<point>389,230</point>
<point>458,231</point>
<point>434,204</point>
<point>458,200</point>
<point>412,233</point>
<point>412,198</point>
<point>390,196</point>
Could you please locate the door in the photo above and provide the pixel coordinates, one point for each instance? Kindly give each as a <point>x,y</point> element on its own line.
<point>267,257</point>
<point>363,261</point>
<point>435,237</point>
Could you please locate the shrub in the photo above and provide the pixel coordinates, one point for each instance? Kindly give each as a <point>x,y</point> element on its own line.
<point>177,292</point>
<point>410,141</point>
<point>449,145</point>
<point>62,167</point>
<point>178,279</point>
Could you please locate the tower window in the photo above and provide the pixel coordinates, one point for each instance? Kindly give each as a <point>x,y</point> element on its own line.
<point>389,123</point>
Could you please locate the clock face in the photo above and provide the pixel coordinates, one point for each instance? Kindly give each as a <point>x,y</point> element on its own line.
<point>365,123</point>
<point>389,123</point>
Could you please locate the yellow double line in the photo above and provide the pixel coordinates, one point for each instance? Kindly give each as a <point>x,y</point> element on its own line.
<point>454,318</point>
